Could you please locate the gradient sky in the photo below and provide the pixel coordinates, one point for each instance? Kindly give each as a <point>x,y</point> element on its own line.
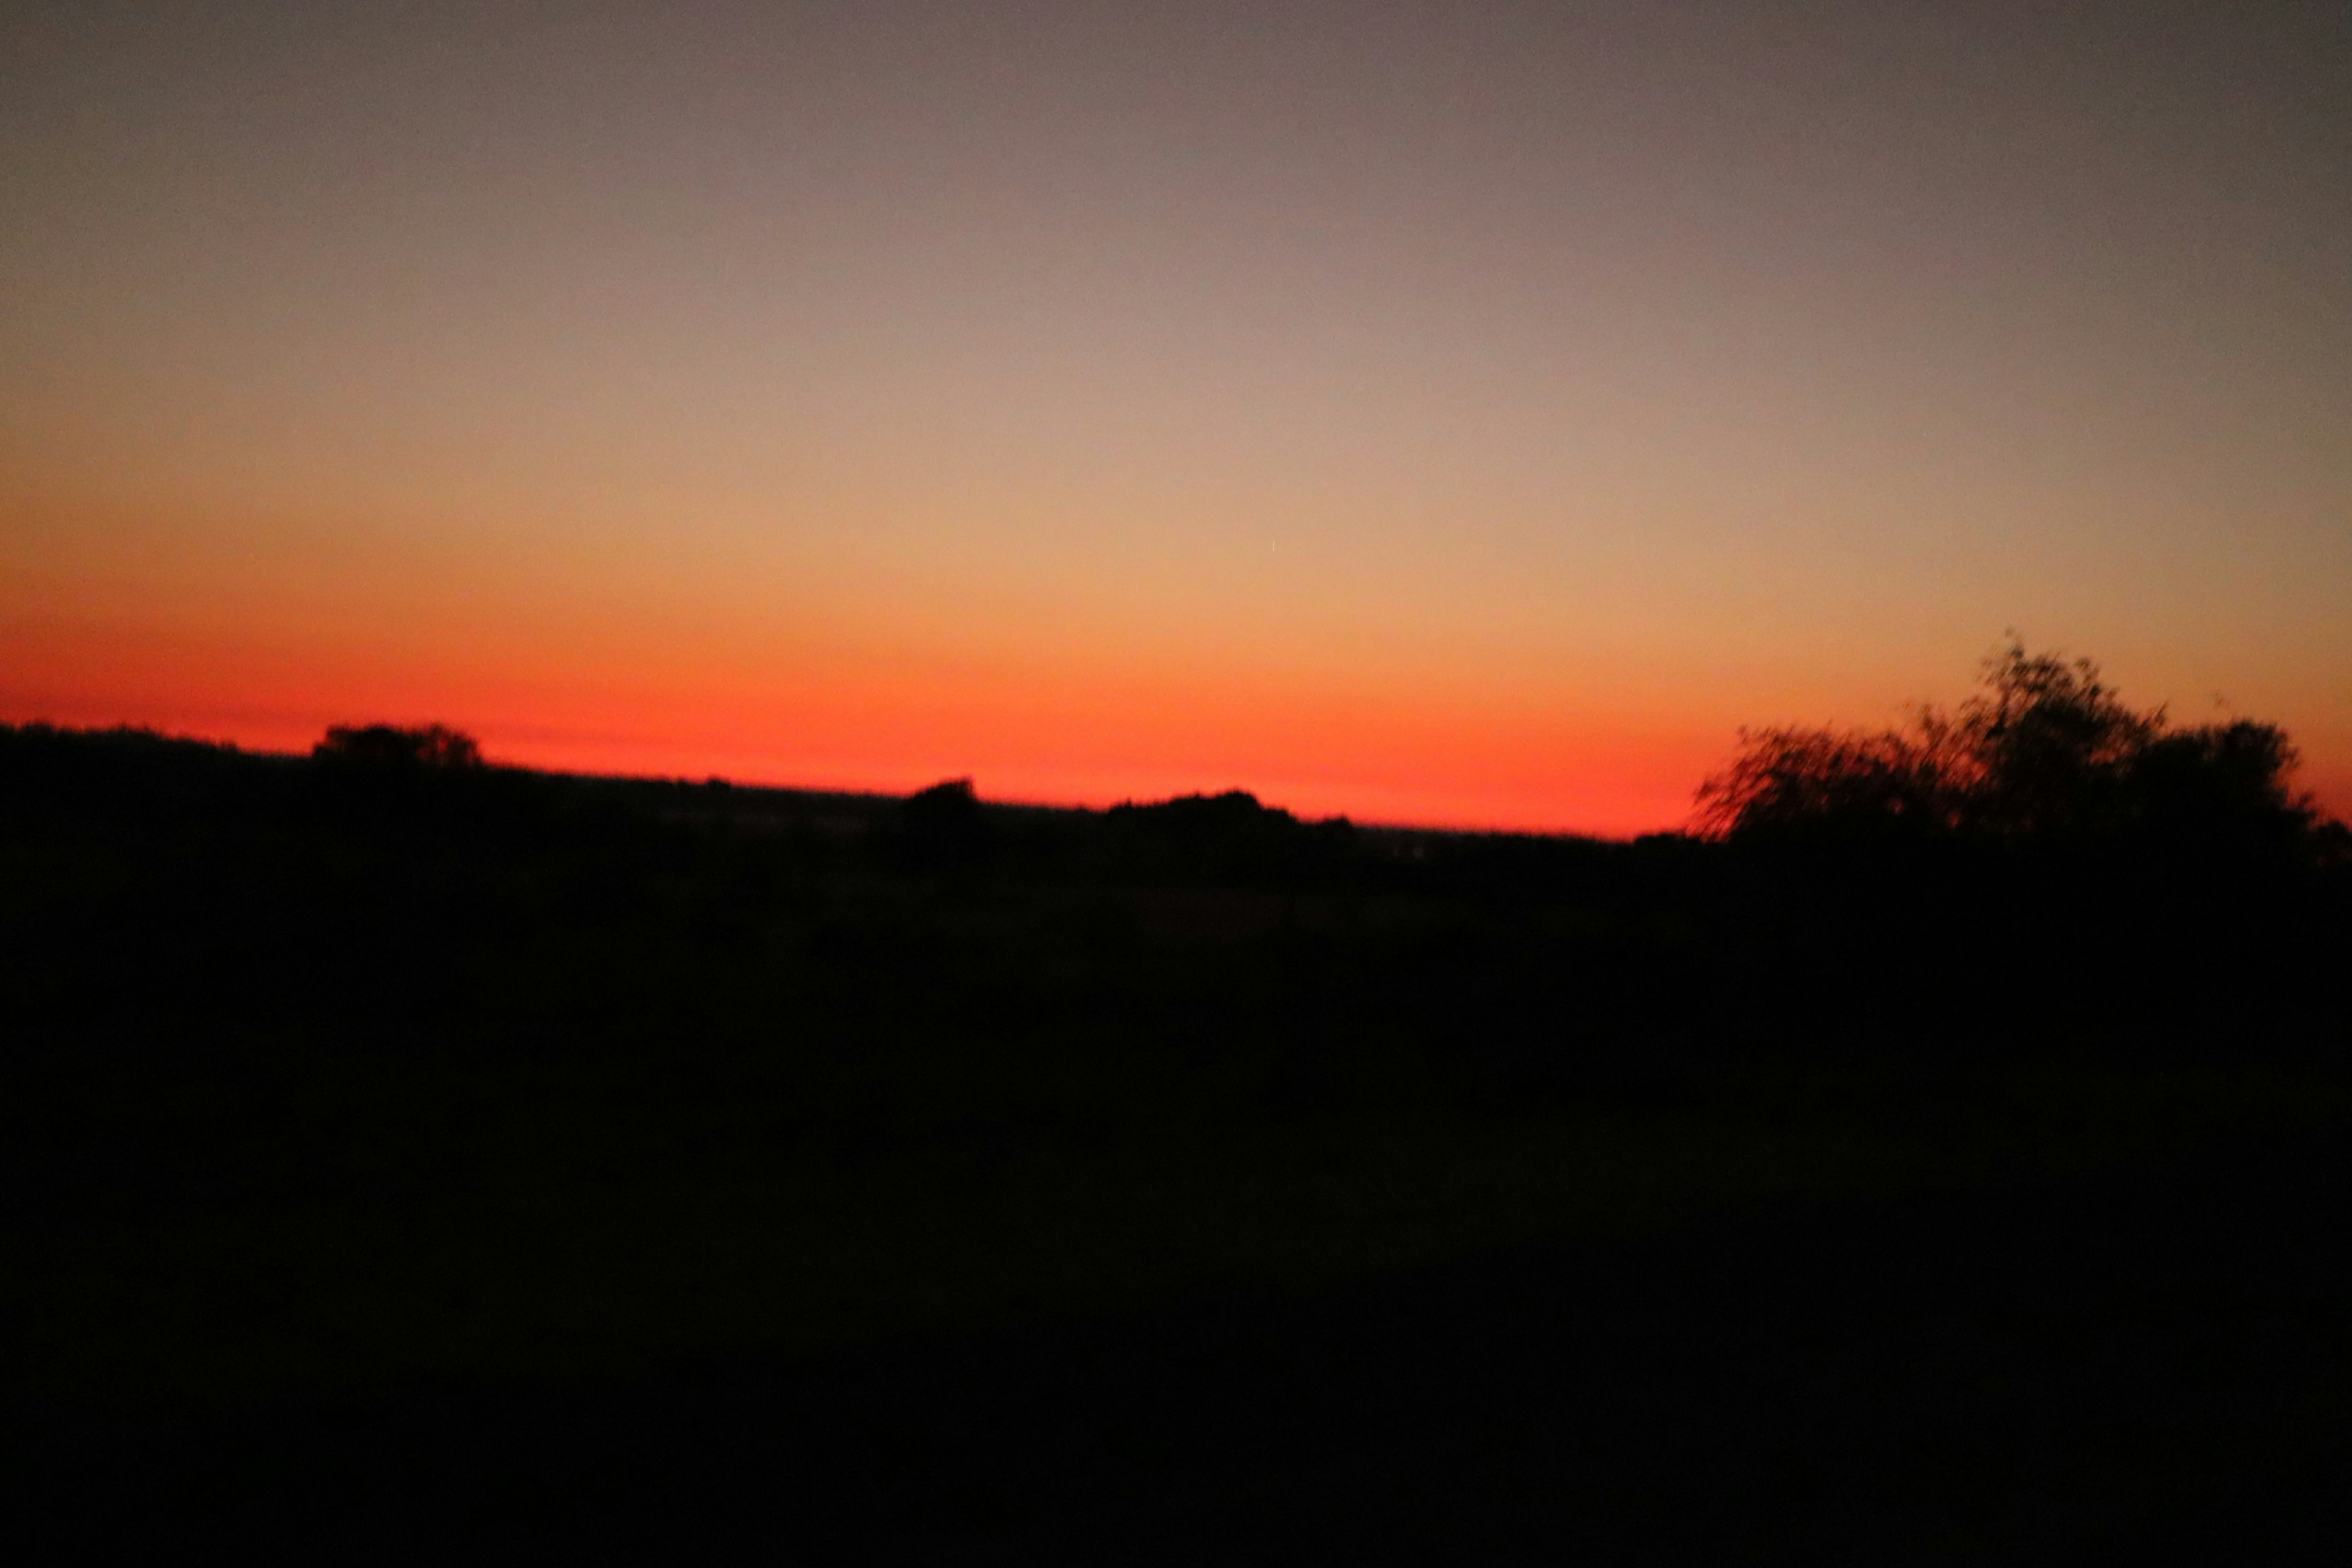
<point>1452,413</point>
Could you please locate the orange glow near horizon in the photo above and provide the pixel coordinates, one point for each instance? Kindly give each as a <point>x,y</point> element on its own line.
<point>1314,754</point>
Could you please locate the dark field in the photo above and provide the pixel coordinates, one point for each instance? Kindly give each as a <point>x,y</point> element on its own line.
<point>426,1166</point>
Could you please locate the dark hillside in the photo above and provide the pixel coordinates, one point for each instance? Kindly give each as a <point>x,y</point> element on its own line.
<point>424,1157</point>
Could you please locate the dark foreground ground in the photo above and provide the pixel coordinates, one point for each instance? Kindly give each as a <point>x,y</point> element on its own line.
<point>499,1168</point>
<point>2155,1365</point>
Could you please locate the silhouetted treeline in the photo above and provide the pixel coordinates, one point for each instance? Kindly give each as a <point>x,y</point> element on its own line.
<point>2045,754</point>
<point>393,878</point>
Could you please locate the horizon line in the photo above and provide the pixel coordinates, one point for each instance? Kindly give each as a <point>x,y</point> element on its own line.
<point>867,792</point>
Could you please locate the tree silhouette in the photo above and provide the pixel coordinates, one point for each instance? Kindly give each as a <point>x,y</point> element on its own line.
<point>943,825</point>
<point>386,748</point>
<point>2044,750</point>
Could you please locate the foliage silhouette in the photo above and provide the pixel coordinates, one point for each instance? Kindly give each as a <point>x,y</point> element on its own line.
<point>2045,752</point>
<point>1230,836</point>
<point>384,747</point>
<point>943,826</point>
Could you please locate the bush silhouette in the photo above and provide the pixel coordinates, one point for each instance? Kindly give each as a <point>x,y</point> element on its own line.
<point>1232,835</point>
<point>386,748</point>
<point>943,825</point>
<point>2044,752</point>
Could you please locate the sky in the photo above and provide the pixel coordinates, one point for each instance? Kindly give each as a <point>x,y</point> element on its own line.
<point>1460,413</point>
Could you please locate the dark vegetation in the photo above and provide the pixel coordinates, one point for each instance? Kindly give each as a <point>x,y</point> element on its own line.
<point>425,1158</point>
<point>2045,757</point>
